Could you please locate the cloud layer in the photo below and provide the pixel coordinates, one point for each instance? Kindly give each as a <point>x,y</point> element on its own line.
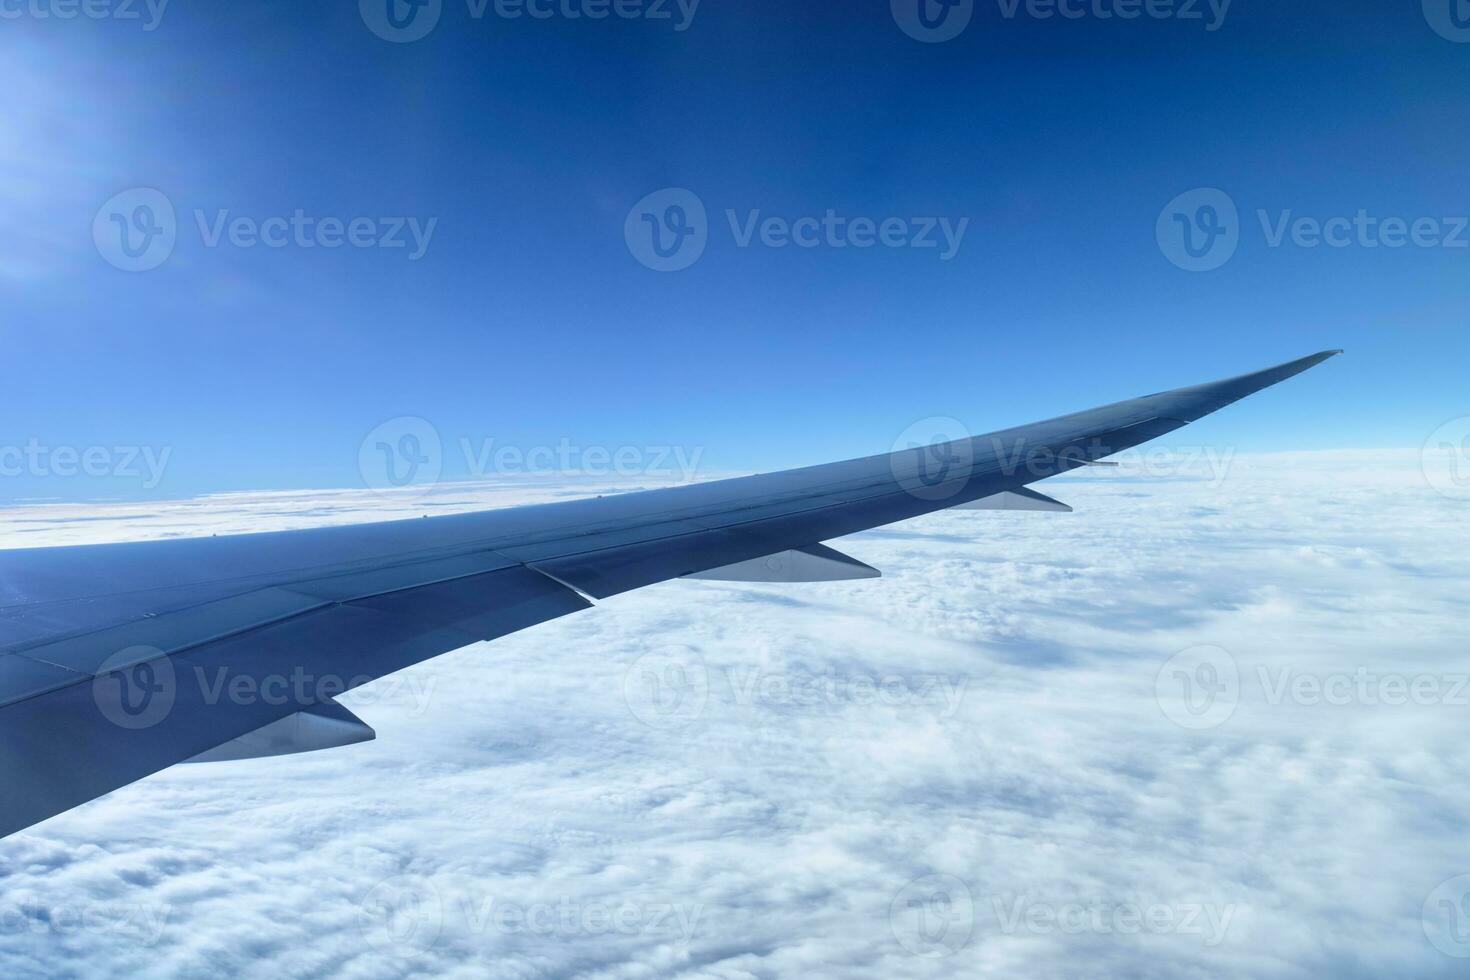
<point>1209,725</point>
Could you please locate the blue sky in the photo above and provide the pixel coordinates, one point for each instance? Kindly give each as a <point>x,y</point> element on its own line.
<point>528,319</point>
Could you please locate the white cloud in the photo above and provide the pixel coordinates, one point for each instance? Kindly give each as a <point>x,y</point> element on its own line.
<point>983,720</point>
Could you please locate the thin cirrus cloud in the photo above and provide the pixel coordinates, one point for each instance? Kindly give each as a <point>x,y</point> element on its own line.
<point>978,737</point>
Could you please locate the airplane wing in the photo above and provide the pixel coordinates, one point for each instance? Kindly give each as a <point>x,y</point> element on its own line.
<point>119,660</point>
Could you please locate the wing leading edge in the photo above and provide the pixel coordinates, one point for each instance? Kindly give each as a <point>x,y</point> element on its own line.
<point>117,661</point>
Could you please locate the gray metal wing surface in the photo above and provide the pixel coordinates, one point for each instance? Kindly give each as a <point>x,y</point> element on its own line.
<point>119,660</point>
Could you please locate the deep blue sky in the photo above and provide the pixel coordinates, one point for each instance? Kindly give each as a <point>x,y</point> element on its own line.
<point>529,321</point>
